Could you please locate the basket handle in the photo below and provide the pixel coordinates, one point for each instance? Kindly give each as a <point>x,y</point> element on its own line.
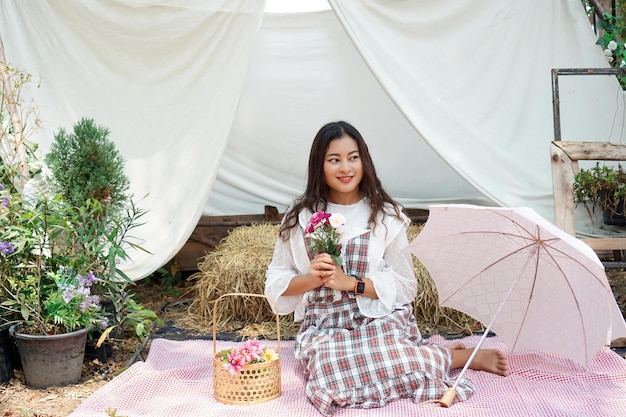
<point>269,299</point>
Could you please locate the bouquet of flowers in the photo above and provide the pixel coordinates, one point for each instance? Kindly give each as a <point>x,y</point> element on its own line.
<point>324,230</point>
<point>250,353</point>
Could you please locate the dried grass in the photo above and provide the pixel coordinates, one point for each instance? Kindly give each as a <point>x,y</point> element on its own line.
<point>238,265</point>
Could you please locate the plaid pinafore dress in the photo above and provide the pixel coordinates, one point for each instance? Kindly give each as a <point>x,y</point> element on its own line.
<point>355,361</point>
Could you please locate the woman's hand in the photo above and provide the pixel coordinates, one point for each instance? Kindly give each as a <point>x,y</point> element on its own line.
<point>322,272</point>
<point>330,275</point>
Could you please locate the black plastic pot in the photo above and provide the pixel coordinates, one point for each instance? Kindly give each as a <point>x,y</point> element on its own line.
<point>9,357</point>
<point>613,219</point>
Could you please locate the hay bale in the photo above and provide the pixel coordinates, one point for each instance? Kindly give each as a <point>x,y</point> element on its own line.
<point>238,265</point>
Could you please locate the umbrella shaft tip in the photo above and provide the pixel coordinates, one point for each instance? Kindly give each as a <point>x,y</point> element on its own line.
<point>447,398</point>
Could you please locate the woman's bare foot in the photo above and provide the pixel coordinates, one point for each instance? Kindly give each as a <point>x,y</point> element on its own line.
<point>488,360</point>
<point>491,360</point>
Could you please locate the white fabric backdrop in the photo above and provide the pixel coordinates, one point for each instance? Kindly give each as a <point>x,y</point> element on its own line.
<point>474,79</point>
<point>164,76</point>
<point>453,97</point>
<point>304,73</point>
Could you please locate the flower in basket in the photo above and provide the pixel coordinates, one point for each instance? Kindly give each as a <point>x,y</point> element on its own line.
<point>250,353</point>
<point>324,230</point>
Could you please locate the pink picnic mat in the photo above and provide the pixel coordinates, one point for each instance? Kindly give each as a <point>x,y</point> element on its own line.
<point>177,380</point>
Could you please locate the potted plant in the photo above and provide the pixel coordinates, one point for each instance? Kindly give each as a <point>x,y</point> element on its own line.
<point>51,304</point>
<point>69,313</point>
<point>54,242</point>
<point>604,187</point>
<point>88,171</point>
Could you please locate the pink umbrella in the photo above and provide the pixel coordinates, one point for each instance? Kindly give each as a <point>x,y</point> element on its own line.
<point>534,285</point>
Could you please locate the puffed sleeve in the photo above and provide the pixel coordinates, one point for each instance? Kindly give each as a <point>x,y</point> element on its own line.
<point>279,273</point>
<point>391,270</point>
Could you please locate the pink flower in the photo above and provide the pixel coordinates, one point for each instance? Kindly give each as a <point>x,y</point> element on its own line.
<point>318,218</point>
<point>324,231</point>
<point>235,362</point>
<point>252,350</point>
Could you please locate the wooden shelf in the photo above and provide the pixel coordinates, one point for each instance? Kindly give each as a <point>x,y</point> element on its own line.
<point>565,157</point>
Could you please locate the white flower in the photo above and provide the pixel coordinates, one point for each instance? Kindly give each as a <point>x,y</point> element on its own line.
<point>612,45</point>
<point>608,52</point>
<point>337,220</point>
<point>609,59</point>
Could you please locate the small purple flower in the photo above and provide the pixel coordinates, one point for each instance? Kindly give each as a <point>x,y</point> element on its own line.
<point>94,301</point>
<point>83,291</point>
<point>92,278</point>
<point>6,248</point>
<point>81,280</point>
<point>1,187</point>
<point>87,281</point>
<point>104,323</point>
<point>68,292</point>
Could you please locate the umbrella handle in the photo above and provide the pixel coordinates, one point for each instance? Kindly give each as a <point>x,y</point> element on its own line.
<point>447,398</point>
<point>450,393</point>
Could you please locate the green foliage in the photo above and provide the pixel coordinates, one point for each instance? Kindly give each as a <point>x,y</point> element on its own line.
<point>601,186</point>
<point>611,39</point>
<point>71,305</point>
<point>170,276</point>
<point>130,312</point>
<point>28,229</point>
<point>89,172</point>
<point>48,228</point>
<point>88,166</point>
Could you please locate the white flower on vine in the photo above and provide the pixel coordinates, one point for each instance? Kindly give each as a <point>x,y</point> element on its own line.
<point>612,45</point>
<point>608,52</point>
<point>609,59</point>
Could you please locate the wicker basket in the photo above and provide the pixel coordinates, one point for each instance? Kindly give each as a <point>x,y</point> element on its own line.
<point>255,383</point>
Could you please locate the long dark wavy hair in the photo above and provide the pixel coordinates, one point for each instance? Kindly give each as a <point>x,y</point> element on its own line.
<point>316,194</point>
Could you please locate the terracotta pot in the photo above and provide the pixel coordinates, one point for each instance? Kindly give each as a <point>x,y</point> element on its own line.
<point>53,360</point>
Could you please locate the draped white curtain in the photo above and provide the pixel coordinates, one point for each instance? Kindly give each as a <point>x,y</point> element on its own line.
<point>214,105</point>
<point>474,79</point>
<point>305,72</point>
<point>164,76</point>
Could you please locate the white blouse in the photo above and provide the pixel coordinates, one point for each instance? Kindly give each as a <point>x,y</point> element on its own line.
<point>390,265</point>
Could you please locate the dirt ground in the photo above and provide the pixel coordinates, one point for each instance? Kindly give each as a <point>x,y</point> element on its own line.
<point>171,303</point>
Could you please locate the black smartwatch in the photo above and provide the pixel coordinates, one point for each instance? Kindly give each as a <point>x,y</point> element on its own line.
<point>359,286</point>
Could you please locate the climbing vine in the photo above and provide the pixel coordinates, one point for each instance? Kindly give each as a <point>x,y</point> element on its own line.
<point>611,33</point>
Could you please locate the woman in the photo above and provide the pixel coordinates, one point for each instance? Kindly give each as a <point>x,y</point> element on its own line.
<point>359,342</point>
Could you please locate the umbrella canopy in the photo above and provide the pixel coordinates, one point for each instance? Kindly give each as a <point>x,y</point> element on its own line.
<point>537,286</point>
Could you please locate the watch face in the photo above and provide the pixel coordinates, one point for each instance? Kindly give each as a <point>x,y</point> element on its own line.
<point>360,287</point>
